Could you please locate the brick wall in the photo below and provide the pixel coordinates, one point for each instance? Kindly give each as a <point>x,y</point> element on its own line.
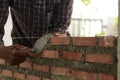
<point>69,58</point>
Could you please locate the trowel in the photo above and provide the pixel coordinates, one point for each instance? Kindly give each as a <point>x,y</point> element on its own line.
<point>41,43</point>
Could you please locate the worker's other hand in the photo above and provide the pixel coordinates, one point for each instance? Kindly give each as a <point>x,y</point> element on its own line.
<point>15,54</point>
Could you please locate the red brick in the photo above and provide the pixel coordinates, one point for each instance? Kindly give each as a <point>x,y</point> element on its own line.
<point>20,76</point>
<point>2,61</point>
<point>49,54</point>
<point>44,68</point>
<point>26,65</point>
<point>2,78</point>
<point>106,42</point>
<point>7,73</point>
<point>45,79</point>
<point>103,76</point>
<point>31,77</point>
<point>82,75</point>
<point>72,55</point>
<point>84,41</point>
<point>99,58</point>
<point>60,40</point>
<point>60,71</point>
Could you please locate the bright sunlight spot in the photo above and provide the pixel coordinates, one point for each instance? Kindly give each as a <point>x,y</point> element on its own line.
<point>94,18</point>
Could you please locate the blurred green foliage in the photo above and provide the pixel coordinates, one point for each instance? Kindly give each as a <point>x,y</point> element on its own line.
<point>86,2</point>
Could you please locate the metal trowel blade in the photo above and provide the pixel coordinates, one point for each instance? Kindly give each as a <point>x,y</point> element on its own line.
<point>41,43</point>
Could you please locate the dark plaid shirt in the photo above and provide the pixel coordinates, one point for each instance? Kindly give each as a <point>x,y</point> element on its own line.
<point>34,18</point>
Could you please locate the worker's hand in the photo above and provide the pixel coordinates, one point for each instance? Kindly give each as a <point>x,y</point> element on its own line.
<point>59,34</point>
<point>16,54</point>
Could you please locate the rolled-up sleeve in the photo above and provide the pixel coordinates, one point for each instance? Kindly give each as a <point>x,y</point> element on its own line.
<point>61,16</point>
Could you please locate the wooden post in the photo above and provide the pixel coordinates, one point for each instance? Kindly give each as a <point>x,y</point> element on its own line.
<point>118,50</point>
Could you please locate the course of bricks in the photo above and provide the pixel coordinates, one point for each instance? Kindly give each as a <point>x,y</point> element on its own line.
<point>68,58</point>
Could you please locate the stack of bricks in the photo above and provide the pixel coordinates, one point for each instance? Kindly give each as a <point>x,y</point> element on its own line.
<point>68,58</point>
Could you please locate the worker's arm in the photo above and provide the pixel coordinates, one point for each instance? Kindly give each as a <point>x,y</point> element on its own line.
<point>61,16</point>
